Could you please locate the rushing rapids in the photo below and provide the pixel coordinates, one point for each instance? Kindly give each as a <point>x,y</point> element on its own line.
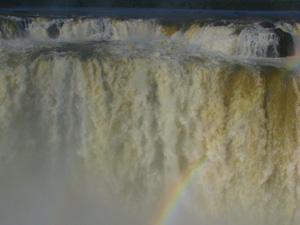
<point>182,121</point>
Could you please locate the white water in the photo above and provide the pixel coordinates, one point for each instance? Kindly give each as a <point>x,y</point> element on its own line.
<point>233,39</point>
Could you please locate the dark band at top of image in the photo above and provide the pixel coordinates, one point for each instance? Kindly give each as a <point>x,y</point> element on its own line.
<point>182,4</point>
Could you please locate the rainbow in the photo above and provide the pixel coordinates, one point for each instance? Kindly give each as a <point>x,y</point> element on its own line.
<point>293,63</point>
<point>174,198</point>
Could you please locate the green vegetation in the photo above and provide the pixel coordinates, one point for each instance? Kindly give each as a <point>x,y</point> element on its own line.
<point>183,4</point>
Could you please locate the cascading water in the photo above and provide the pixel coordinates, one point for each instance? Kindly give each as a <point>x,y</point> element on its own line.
<point>107,120</point>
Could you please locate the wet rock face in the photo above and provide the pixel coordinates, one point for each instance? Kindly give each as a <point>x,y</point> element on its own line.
<point>271,52</point>
<point>53,30</point>
<point>286,45</point>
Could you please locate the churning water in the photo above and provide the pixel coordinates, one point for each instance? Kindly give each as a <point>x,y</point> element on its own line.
<point>148,117</point>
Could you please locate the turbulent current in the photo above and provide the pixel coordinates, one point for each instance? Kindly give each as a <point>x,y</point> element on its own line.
<point>149,117</point>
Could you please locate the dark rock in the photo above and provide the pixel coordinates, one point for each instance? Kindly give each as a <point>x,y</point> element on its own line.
<point>53,30</point>
<point>267,24</point>
<point>286,45</point>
